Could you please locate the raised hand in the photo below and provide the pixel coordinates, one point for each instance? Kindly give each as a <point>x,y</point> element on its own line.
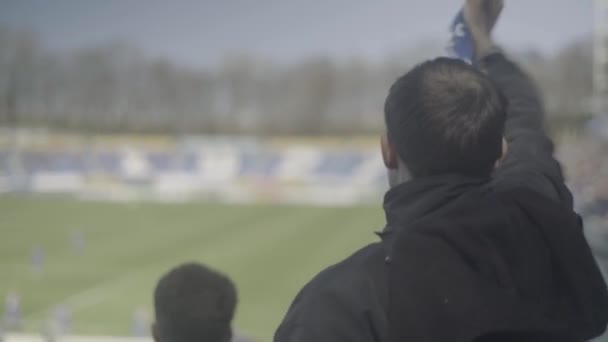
<point>481,17</point>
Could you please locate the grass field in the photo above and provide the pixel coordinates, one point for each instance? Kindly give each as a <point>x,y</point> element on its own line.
<point>269,251</point>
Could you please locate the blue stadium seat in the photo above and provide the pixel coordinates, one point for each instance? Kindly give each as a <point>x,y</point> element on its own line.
<point>53,162</point>
<point>108,162</point>
<point>259,164</point>
<point>189,162</point>
<point>34,161</point>
<point>339,164</point>
<point>173,162</point>
<point>161,161</point>
<point>65,162</point>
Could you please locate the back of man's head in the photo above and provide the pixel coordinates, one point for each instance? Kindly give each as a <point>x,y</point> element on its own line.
<point>444,116</point>
<point>194,304</point>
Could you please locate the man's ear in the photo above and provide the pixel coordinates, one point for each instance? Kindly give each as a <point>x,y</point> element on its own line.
<point>389,154</point>
<point>505,150</point>
<point>155,332</point>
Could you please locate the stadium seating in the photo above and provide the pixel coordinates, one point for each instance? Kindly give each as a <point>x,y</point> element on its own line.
<point>245,170</point>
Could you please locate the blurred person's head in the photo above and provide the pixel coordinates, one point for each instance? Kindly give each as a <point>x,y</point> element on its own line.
<point>193,303</point>
<point>443,117</point>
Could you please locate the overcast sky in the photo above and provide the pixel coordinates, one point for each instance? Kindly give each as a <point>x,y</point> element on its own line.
<point>201,32</point>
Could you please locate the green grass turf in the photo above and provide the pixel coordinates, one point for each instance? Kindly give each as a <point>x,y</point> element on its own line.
<point>269,251</point>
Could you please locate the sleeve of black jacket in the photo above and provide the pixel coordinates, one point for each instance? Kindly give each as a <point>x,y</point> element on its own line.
<point>530,158</point>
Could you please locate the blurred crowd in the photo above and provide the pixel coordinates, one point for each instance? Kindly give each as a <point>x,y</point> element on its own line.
<point>585,162</point>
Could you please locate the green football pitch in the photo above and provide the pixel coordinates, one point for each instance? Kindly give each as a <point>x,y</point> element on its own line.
<point>270,252</point>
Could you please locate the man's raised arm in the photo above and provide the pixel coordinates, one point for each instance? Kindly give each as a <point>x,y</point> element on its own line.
<point>530,161</point>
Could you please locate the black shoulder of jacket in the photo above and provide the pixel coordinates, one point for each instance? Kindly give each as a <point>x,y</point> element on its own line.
<point>347,274</point>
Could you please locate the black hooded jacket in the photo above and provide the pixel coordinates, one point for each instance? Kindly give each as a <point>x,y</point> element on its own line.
<point>489,262</point>
<point>461,258</point>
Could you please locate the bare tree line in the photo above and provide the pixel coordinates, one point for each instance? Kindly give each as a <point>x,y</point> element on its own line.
<point>116,88</point>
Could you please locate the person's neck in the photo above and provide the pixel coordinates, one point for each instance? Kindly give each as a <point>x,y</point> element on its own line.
<point>399,175</point>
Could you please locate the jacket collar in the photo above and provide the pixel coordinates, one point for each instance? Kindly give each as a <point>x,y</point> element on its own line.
<point>419,197</point>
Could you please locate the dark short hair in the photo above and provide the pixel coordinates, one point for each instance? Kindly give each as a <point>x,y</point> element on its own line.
<point>445,116</point>
<point>193,303</point>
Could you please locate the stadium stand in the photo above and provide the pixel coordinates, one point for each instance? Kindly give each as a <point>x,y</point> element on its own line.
<point>196,169</point>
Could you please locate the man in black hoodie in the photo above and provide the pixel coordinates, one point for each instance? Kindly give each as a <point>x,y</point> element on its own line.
<point>481,241</point>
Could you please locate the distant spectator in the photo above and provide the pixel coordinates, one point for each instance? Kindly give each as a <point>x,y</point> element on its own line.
<point>141,326</point>
<point>62,318</point>
<point>193,303</point>
<point>78,242</point>
<point>50,332</point>
<point>38,259</point>
<point>12,312</point>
